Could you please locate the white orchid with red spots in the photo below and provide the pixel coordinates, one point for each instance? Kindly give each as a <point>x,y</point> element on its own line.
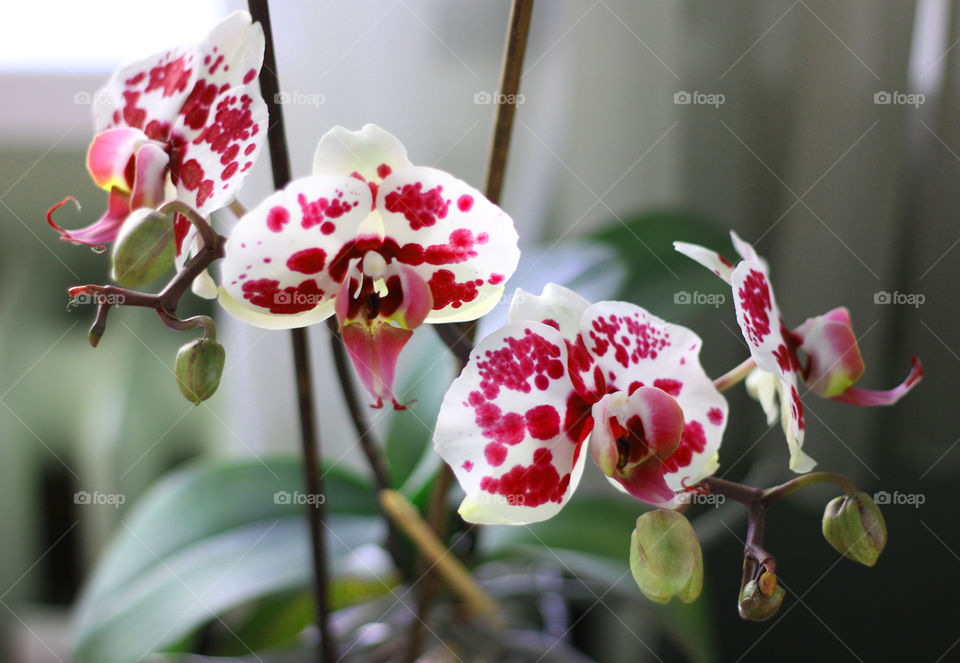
<point>563,374</point>
<point>382,243</point>
<point>822,352</point>
<point>185,124</point>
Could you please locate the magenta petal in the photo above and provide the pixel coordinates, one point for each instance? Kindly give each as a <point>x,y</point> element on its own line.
<point>150,170</point>
<point>374,351</point>
<point>109,157</point>
<point>633,436</point>
<point>104,230</point>
<point>834,362</point>
<point>868,397</point>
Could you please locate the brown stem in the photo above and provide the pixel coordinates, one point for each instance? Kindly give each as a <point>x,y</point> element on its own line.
<point>309,436</point>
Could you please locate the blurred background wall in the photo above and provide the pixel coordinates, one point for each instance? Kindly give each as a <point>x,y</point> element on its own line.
<point>800,133</point>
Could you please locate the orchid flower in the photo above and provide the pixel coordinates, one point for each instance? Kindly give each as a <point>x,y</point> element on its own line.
<point>830,362</point>
<point>185,124</point>
<point>383,244</point>
<point>563,374</point>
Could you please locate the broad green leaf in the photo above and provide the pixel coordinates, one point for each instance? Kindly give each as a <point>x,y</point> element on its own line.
<point>205,540</point>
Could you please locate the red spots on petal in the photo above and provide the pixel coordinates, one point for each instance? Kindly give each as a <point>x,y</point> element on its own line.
<point>383,170</point>
<point>172,77</point>
<point>318,211</point>
<point>249,149</point>
<point>204,192</point>
<point>277,217</point>
<point>541,382</point>
<point>543,422</point>
<point>181,226</point>
<point>266,293</point>
<point>531,485</point>
<point>692,441</point>
<point>157,130</point>
<point>467,465</point>
<point>447,291</point>
<point>755,300</point>
<point>715,415</point>
<point>550,322</point>
<point>191,174</point>
<point>513,366</point>
<point>229,171</point>
<point>420,208</point>
<point>669,385</point>
<point>308,261</point>
<point>636,384</point>
<point>197,106</point>
<point>135,80</point>
<point>577,418</point>
<point>495,453</point>
<point>216,65</point>
<point>631,339</point>
<point>796,407</point>
<point>249,76</point>
<point>133,116</point>
<point>465,203</point>
<point>497,279</point>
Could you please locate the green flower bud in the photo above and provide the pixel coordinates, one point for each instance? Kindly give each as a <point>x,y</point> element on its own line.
<point>760,598</point>
<point>854,526</point>
<point>144,248</point>
<point>198,369</point>
<point>665,557</point>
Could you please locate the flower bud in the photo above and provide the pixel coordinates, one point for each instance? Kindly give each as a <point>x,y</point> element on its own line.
<point>665,557</point>
<point>854,526</point>
<point>144,248</point>
<point>198,368</point>
<point>760,598</point>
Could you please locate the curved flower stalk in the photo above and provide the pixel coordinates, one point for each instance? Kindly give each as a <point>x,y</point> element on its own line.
<point>564,374</point>
<point>382,243</point>
<point>186,124</point>
<point>830,362</point>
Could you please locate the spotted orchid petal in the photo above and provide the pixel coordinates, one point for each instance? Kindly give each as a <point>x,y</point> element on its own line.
<point>562,309</point>
<point>377,314</point>
<point>286,258</point>
<point>763,387</point>
<point>151,93</point>
<point>709,259</point>
<point>633,436</point>
<point>110,156</point>
<point>635,349</point>
<point>212,159</point>
<point>512,428</point>
<point>460,243</point>
<point>370,154</point>
<point>556,307</point>
<point>772,348</point>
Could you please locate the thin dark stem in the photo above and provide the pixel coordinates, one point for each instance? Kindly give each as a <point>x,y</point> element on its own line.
<point>309,436</point>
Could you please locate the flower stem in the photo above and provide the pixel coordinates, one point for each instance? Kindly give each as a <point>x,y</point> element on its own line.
<point>777,493</point>
<point>736,375</point>
<point>309,436</point>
